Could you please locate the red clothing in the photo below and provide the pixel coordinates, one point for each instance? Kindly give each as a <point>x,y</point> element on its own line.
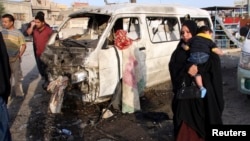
<point>40,39</point>
<point>121,40</point>
<point>186,133</point>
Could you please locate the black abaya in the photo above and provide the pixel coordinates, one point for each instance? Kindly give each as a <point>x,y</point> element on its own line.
<point>197,113</point>
<point>4,71</point>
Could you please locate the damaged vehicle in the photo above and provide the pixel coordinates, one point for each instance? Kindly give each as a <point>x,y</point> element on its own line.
<point>86,55</point>
<point>243,68</point>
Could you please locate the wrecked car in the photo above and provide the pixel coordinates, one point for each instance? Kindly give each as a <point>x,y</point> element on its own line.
<point>86,51</point>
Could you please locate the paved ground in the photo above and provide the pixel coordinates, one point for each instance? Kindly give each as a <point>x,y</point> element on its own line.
<point>20,109</point>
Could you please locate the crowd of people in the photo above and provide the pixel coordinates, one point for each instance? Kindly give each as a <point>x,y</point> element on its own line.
<point>13,46</point>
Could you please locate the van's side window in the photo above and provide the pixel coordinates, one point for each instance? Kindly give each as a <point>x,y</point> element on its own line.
<point>162,29</point>
<point>117,26</point>
<point>133,28</point>
<point>129,24</point>
<point>199,21</point>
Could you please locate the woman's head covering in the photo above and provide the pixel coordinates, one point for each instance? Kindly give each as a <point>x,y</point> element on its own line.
<point>192,26</point>
<point>244,30</point>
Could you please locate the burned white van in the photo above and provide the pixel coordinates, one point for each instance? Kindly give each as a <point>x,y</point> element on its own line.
<point>85,48</point>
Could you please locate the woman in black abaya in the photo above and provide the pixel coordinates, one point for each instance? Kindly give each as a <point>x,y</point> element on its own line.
<point>191,117</point>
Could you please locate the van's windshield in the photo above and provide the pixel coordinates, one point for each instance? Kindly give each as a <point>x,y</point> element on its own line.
<point>83,28</point>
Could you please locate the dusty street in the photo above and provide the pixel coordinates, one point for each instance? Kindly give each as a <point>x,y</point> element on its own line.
<point>31,119</point>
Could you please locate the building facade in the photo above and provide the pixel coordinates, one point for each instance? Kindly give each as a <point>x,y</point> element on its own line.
<point>25,11</point>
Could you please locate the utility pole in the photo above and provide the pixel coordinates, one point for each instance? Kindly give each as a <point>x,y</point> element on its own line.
<point>132,1</point>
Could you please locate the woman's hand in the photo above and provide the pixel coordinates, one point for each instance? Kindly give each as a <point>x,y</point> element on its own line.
<point>193,70</point>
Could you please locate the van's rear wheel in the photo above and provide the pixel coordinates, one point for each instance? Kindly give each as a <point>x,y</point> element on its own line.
<point>117,97</point>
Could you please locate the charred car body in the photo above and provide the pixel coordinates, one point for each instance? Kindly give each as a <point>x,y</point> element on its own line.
<point>83,47</point>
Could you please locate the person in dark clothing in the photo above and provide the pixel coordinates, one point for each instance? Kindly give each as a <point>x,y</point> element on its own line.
<point>5,88</point>
<point>200,47</point>
<point>192,116</point>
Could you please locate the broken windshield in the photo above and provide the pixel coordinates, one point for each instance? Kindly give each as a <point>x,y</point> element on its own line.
<point>84,27</point>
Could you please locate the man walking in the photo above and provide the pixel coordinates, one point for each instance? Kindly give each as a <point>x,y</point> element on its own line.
<point>16,45</point>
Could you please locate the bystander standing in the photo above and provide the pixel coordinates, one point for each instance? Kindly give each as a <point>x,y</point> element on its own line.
<point>16,46</point>
<point>41,32</point>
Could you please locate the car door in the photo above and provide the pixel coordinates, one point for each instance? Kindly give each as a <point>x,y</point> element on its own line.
<point>110,58</point>
<point>162,39</point>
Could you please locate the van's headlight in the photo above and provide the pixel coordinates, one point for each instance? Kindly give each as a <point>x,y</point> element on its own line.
<point>244,62</point>
<point>78,77</point>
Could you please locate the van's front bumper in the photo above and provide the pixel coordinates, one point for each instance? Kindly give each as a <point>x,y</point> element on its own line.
<point>243,81</point>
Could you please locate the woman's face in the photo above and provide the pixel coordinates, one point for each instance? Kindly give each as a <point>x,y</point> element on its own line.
<point>185,33</point>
